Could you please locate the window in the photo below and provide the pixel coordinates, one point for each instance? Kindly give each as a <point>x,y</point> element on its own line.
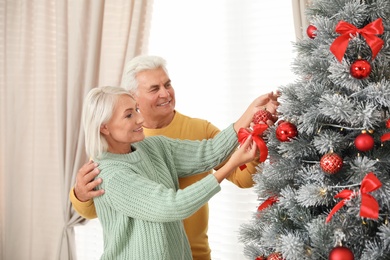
<point>221,54</point>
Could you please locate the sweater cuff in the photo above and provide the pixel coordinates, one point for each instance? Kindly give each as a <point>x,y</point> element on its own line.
<point>75,200</point>
<point>211,184</point>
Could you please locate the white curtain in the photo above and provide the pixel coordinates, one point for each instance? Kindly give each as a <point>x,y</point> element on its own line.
<point>51,53</point>
<point>300,20</point>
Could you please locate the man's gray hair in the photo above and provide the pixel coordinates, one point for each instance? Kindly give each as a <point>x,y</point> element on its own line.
<point>138,64</point>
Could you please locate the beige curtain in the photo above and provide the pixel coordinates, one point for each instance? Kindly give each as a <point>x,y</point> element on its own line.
<point>52,52</point>
<point>300,20</point>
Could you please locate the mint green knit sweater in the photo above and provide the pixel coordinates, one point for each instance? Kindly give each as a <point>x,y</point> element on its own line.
<point>142,209</point>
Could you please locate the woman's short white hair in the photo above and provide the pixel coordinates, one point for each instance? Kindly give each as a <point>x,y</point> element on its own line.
<point>98,108</point>
<point>138,64</point>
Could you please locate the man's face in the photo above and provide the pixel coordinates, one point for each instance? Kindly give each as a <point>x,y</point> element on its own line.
<point>155,96</point>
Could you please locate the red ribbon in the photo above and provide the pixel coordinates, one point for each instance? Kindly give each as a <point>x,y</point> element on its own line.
<point>369,207</point>
<point>256,134</point>
<point>347,30</point>
<point>268,202</point>
<point>385,137</point>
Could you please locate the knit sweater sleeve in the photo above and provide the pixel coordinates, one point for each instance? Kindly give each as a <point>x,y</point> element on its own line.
<point>138,197</point>
<point>199,156</point>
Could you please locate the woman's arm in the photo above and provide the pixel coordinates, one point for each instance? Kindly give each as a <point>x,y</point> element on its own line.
<point>139,197</point>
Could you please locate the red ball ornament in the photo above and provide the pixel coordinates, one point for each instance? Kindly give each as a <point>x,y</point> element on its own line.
<point>261,258</point>
<point>364,142</point>
<point>341,253</point>
<point>388,123</point>
<point>275,256</point>
<point>360,69</point>
<point>262,116</point>
<point>285,131</point>
<point>311,31</point>
<point>331,163</point>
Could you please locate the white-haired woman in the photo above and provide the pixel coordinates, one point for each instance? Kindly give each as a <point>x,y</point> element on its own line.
<point>142,209</point>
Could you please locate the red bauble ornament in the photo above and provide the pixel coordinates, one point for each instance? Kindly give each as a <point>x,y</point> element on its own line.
<point>262,116</point>
<point>364,142</point>
<point>261,258</point>
<point>331,163</point>
<point>275,256</point>
<point>285,131</point>
<point>388,123</point>
<point>341,253</point>
<point>311,31</point>
<point>360,69</point>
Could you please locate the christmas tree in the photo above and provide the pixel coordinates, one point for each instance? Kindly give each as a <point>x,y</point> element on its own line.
<point>324,191</point>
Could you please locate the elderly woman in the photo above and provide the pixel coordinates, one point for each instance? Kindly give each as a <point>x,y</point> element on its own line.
<point>142,209</point>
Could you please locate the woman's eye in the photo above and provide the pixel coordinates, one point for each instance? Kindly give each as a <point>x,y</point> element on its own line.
<point>129,115</point>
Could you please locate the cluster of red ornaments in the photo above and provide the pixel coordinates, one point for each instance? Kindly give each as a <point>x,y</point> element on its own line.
<point>337,253</point>
<point>285,130</point>
<point>360,69</point>
<point>332,162</point>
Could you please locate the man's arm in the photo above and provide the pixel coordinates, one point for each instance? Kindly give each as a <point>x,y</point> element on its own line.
<point>84,190</point>
<point>244,178</point>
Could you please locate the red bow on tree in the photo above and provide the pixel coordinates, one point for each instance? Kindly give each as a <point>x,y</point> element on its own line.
<point>347,30</point>
<point>369,207</point>
<point>268,202</point>
<point>256,134</point>
<point>385,137</point>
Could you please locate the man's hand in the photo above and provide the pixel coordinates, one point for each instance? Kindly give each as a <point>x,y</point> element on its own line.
<point>86,183</point>
<point>268,101</point>
<point>271,105</point>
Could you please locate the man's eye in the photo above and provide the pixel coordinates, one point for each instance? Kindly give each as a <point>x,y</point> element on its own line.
<point>137,109</point>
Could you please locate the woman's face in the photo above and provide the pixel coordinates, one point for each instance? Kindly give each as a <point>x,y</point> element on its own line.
<point>124,127</point>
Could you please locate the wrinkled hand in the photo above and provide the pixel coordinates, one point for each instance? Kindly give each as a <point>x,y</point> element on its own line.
<point>269,102</point>
<point>86,182</point>
<point>247,152</point>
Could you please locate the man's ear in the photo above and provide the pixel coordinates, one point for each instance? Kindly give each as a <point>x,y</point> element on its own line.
<point>104,129</point>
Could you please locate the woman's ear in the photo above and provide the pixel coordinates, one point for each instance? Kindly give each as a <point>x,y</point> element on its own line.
<point>104,129</point>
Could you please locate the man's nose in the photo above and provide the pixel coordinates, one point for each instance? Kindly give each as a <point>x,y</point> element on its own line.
<point>164,92</point>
